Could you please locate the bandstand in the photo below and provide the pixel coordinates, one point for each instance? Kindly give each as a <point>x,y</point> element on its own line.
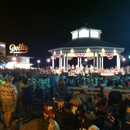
<point>87,43</point>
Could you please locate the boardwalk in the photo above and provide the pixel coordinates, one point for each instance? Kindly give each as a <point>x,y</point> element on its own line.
<point>35,124</point>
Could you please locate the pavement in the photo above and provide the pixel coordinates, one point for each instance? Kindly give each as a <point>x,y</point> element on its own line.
<point>35,124</point>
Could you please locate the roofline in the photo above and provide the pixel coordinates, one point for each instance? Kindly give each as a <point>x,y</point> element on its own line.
<point>97,47</point>
<point>19,56</point>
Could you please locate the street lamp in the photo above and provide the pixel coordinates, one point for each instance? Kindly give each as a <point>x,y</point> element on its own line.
<point>129,56</point>
<point>48,61</point>
<point>85,59</point>
<point>123,59</point>
<point>38,62</point>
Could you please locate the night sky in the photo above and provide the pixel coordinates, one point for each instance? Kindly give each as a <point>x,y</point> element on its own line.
<point>45,25</point>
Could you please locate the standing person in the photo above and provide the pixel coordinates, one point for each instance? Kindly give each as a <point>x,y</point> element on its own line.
<point>27,95</point>
<point>61,84</point>
<point>9,96</point>
<point>52,84</point>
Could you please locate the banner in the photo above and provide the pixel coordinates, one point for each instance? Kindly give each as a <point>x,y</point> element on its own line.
<point>80,55</point>
<point>109,55</point>
<point>90,58</point>
<point>70,58</point>
<point>57,56</point>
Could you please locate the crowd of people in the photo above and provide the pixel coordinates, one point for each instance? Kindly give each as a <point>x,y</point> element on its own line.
<point>62,109</point>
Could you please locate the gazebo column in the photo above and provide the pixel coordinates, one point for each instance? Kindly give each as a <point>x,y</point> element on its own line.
<point>80,59</point>
<point>97,61</point>
<point>60,62</point>
<point>102,62</point>
<point>64,61</point>
<point>53,62</point>
<point>78,62</point>
<point>94,60</point>
<point>118,61</point>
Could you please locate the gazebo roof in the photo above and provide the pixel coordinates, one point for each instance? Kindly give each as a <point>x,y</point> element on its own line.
<point>88,42</point>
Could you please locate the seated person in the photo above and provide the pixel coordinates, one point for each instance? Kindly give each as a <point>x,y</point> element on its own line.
<point>76,102</point>
<point>66,119</point>
<point>53,125</point>
<point>90,119</point>
<point>125,124</point>
<point>48,113</point>
<point>93,127</point>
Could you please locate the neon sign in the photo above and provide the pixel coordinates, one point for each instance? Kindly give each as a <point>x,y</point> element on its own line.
<point>21,48</point>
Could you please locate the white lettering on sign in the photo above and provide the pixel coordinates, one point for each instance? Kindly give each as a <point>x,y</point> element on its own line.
<point>21,48</point>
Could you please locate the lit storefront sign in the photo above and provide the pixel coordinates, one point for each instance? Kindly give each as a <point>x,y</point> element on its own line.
<point>21,48</point>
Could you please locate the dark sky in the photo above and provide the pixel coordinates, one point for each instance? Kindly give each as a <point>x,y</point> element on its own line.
<point>43,25</point>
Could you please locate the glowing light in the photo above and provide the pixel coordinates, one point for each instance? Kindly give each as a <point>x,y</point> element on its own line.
<point>72,51</point>
<point>54,52</point>
<point>94,34</point>
<point>48,60</point>
<point>123,59</point>
<point>14,58</point>
<point>60,51</point>
<point>38,61</point>
<point>75,35</point>
<point>85,59</point>
<point>103,50</point>
<point>88,50</point>
<point>83,33</point>
<point>114,51</point>
<point>129,56</point>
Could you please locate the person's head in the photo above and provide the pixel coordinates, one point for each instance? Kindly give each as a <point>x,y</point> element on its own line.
<point>67,107</point>
<point>8,79</point>
<point>93,127</point>
<point>25,81</point>
<point>53,125</point>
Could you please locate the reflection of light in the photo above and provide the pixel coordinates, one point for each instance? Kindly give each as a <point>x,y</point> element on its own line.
<point>72,51</point>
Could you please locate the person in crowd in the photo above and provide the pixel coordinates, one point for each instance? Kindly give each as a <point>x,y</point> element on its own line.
<point>52,84</point>
<point>53,125</point>
<point>27,95</point>
<point>93,127</point>
<point>61,84</point>
<point>9,95</point>
<point>65,118</point>
<point>76,102</point>
<point>38,92</point>
<point>99,86</point>
<point>125,124</point>
<point>91,85</point>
